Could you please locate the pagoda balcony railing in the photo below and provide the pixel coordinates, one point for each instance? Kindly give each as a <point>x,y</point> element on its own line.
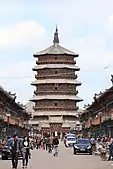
<point>54,108</point>
<point>56,61</point>
<point>57,76</point>
<point>56,92</point>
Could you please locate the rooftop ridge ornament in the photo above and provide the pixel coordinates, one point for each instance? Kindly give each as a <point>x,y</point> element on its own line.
<point>56,38</point>
<point>112,79</point>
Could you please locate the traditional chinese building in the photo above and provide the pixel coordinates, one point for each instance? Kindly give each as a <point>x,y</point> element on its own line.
<point>56,91</point>
<point>12,114</point>
<point>98,116</point>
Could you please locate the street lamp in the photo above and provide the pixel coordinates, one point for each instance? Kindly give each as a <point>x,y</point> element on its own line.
<point>100,118</point>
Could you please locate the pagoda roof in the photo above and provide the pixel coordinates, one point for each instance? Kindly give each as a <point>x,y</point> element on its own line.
<point>55,49</point>
<point>55,119</point>
<point>58,81</point>
<point>56,97</point>
<point>55,66</point>
<point>66,125</point>
<point>55,113</point>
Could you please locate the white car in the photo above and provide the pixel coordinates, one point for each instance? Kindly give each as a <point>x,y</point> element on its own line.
<point>70,141</point>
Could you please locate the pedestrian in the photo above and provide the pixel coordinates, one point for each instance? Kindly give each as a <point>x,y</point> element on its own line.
<point>50,144</point>
<point>26,151</point>
<point>47,142</point>
<point>15,147</point>
<point>110,150</point>
<point>44,144</point>
<point>38,143</point>
<point>55,145</point>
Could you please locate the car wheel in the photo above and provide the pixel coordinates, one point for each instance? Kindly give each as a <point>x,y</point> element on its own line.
<point>74,152</point>
<point>4,158</point>
<point>90,153</point>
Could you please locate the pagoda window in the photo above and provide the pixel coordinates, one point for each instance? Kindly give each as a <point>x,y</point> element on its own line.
<point>56,84</point>
<point>56,88</point>
<point>56,72</point>
<point>55,104</point>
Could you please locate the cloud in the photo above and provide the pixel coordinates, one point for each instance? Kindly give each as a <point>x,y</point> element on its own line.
<point>20,34</point>
<point>85,27</point>
<point>17,77</point>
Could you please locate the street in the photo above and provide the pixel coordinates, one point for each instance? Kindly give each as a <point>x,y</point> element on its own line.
<point>41,160</point>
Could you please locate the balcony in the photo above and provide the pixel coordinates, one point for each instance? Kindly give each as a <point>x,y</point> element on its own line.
<point>57,76</point>
<point>56,92</point>
<point>56,61</point>
<point>48,108</point>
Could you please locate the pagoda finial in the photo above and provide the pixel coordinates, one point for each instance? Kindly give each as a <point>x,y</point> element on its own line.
<point>56,39</point>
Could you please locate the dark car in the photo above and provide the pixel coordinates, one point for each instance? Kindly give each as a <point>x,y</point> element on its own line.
<point>82,146</point>
<point>6,153</point>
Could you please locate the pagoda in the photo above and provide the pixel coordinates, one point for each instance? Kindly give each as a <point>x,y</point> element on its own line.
<point>55,96</point>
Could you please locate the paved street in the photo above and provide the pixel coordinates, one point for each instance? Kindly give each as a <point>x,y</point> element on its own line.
<point>66,160</point>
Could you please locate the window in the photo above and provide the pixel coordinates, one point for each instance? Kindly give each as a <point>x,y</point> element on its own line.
<point>56,88</point>
<point>56,84</point>
<point>55,58</point>
<point>55,104</point>
<point>55,72</point>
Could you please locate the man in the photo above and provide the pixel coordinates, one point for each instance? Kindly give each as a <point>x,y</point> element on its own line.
<point>50,145</point>
<point>55,144</point>
<point>15,147</point>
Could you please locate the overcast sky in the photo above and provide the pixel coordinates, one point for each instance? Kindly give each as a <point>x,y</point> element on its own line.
<point>85,26</point>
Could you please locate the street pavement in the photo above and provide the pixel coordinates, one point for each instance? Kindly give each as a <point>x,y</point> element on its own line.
<point>66,160</point>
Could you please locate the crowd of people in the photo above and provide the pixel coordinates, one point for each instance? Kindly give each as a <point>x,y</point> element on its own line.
<point>50,144</point>
<point>27,144</point>
<point>103,144</point>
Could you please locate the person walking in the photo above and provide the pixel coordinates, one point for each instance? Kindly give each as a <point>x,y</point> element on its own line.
<point>55,145</point>
<point>50,144</point>
<point>15,147</point>
<point>26,151</point>
<point>110,150</point>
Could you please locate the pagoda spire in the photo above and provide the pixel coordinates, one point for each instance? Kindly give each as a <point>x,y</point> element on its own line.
<point>56,38</point>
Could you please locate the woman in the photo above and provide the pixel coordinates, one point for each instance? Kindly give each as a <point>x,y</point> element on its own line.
<point>26,151</point>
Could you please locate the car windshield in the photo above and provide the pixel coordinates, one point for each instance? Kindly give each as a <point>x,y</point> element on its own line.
<point>82,141</point>
<point>71,139</point>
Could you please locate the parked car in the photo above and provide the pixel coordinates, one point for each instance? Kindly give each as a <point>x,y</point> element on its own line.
<point>70,141</point>
<point>82,146</point>
<point>6,153</point>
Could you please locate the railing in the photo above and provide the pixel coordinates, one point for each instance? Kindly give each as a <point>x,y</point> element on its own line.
<point>56,61</point>
<point>55,108</point>
<point>54,76</point>
<point>56,92</point>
